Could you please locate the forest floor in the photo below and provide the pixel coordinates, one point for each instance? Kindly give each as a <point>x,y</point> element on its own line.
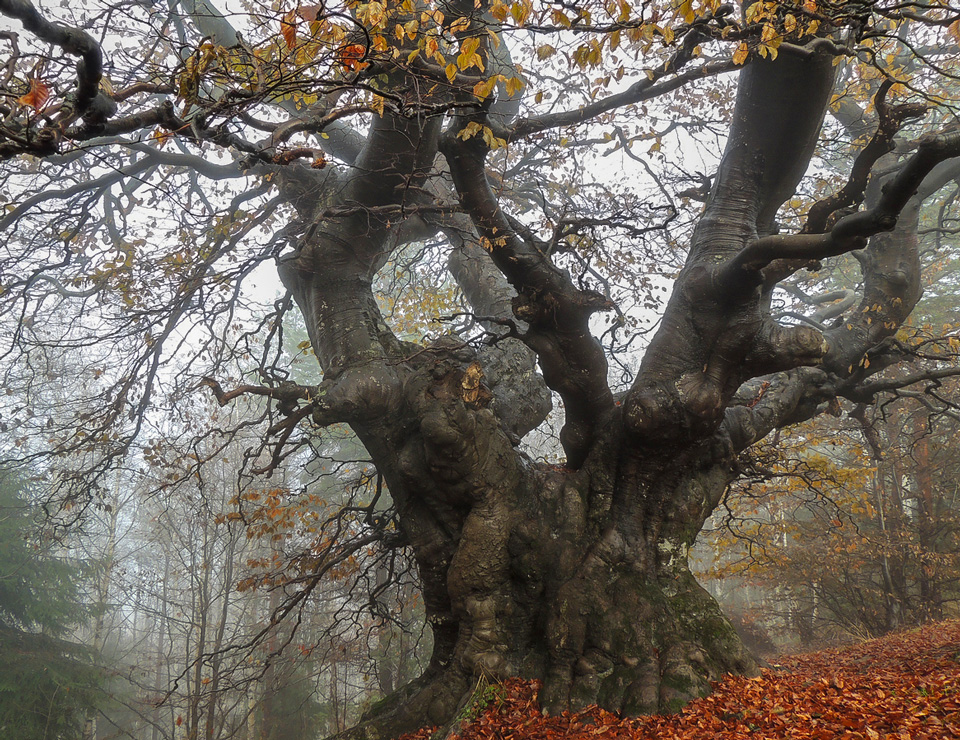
<point>904,686</point>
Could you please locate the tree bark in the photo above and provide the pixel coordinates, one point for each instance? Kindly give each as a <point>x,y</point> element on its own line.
<point>576,575</point>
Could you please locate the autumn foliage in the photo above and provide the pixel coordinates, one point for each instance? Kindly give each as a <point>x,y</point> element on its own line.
<point>904,686</point>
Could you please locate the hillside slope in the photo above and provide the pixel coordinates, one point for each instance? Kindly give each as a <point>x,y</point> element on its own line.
<point>900,687</point>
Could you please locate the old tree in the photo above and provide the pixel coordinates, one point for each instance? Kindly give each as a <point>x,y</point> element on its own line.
<point>156,156</point>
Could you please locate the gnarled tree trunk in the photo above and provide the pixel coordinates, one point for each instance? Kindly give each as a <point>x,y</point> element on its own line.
<point>578,575</point>
<point>575,574</point>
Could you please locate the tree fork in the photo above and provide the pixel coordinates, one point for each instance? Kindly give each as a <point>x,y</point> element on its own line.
<point>601,611</point>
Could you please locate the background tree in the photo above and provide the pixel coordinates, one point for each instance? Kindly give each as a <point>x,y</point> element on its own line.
<point>848,528</point>
<point>48,683</point>
<point>150,186</point>
<point>847,524</point>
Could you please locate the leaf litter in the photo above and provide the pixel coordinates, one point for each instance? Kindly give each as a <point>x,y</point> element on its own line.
<point>904,686</point>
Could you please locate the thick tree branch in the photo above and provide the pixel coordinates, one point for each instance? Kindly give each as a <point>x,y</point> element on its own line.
<point>331,275</point>
<point>891,119</point>
<point>834,304</point>
<point>343,141</point>
<point>850,232</point>
<point>715,334</point>
<point>520,397</point>
<point>866,391</point>
<point>779,112</point>
<point>557,312</point>
<point>328,403</point>
<point>71,40</point>
<point>774,401</point>
<point>211,23</point>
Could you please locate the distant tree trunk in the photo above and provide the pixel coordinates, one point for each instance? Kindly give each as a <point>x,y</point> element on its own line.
<point>269,721</point>
<point>881,485</point>
<point>102,595</point>
<point>214,723</point>
<point>162,661</point>
<point>931,595</point>
<point>200,573</point>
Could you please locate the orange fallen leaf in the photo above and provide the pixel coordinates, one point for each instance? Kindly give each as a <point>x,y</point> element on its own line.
<point>901,686</point>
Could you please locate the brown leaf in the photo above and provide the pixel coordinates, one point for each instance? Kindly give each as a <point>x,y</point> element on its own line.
<point>288,29</point>
<point>954,30</point>
<point>37,96</point>
<point>309,13</point>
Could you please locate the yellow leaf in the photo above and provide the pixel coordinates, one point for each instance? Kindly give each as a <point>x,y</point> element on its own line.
<point>161,136</point>
<point>954,30</point>
<point>545,52</point>
<point>469,46</point>
<point>375,13</point>
<point>741,54</point>
<point>468,56</point>
<point>483,88</point>
<point>499,10</point>
<point>492,141</point>
<point>451,71</point>
<point>469,130</point>
<point>520,10</point>
<point>460,24</point>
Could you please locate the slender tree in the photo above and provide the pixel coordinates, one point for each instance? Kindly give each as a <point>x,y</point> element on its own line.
<point>347,133</point>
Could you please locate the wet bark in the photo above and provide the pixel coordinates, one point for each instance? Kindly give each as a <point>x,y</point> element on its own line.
<point>576,575</point>
<point>556,574</point>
